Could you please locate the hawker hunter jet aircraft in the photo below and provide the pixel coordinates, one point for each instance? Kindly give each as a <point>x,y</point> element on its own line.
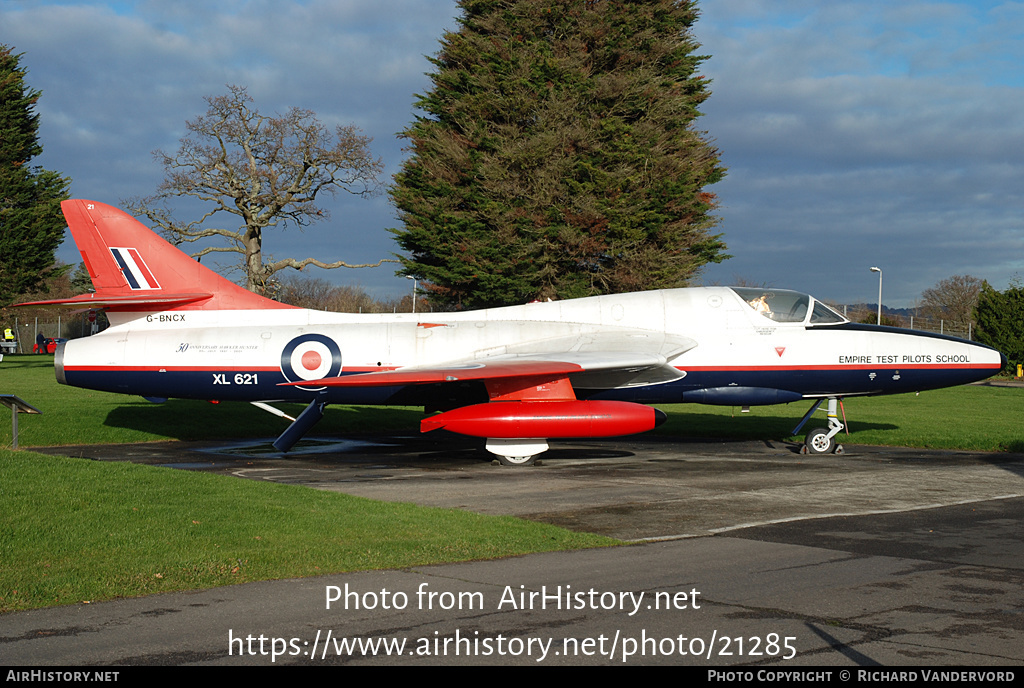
<point>515,376</point>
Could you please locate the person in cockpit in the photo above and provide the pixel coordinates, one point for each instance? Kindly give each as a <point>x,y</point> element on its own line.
<point>760,304</point>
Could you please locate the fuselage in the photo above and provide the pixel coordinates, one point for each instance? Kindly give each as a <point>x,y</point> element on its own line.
<point>747,351</point>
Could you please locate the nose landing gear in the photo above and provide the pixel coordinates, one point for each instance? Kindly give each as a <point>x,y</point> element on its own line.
<point>822,440</point>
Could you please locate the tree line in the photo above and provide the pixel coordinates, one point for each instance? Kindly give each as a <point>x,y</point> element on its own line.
<point>555,156</point>
<point>971,305</point>
<point>31,223</point>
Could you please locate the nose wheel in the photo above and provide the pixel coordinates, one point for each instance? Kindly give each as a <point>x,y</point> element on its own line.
<point>822,440</point>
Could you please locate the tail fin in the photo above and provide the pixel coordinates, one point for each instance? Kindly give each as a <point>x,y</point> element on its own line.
<point>133,269</point>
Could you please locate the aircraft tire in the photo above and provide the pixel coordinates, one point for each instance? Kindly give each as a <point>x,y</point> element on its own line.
<point>818,442</point>
<point>516,460</point>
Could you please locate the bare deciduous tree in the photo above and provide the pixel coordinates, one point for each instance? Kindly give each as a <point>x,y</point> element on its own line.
<point>953,300</point>
<point>266,172</point>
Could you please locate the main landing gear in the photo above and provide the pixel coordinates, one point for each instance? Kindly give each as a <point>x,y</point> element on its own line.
<point>517,452</point>
<point>822,440</point>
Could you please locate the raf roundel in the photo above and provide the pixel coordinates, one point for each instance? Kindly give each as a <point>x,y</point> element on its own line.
<point>310,357</point>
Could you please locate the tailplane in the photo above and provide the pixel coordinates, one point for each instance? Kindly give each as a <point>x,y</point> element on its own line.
<point>133,269</point>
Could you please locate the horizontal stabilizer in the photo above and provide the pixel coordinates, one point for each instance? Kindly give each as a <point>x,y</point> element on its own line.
<point>96,300</point>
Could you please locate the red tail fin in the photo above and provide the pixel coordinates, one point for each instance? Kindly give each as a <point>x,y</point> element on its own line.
<point>133,269</point>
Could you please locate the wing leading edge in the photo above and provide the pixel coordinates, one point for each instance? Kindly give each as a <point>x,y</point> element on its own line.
<point>626,367</point>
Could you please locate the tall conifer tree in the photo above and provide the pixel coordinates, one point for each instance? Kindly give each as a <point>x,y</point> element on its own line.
<point>557,155</point>
<point>31,223</point>
<point>1000,321</point>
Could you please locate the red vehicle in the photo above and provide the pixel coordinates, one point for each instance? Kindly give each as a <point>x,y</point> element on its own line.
<point>48,346</point>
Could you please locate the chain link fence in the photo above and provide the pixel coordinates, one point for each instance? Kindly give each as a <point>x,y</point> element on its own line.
<point>21,330</point>
<point>910,322</point>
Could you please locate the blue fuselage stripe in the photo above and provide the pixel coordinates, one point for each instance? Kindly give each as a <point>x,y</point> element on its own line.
<point>265,384</point>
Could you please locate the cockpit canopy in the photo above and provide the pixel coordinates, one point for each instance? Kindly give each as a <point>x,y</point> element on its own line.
<point>785,306</point>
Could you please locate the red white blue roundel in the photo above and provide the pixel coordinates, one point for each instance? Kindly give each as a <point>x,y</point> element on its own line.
<point>310,357</point>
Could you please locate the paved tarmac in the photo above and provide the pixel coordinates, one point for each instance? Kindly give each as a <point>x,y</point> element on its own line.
<point>747,554</point>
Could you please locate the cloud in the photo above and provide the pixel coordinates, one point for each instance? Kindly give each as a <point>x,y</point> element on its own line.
<point>120,80</point>
<point>855,133</point>
<point>862,133</point>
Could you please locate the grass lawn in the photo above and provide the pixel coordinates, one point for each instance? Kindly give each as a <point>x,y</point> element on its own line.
<point>73,530</point>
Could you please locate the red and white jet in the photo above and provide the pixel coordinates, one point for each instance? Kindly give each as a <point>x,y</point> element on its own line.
<point>516,376</point>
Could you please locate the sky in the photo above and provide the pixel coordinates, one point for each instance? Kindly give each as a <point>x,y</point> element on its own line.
<point>861,133</point>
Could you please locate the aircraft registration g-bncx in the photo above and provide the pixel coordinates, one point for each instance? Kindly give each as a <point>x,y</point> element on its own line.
<point>517,375</point>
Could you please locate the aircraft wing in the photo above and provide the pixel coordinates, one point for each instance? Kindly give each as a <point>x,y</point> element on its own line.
<point>585,360</point>
<point>416,375</point>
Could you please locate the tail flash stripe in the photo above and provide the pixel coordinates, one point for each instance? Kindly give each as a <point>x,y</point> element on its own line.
<point>143,269</point>
<point>123,264</point>
<point>134,269</point>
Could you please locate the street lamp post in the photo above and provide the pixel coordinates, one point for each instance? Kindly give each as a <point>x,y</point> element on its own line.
<point>413,291</point>
<point>879,271</point>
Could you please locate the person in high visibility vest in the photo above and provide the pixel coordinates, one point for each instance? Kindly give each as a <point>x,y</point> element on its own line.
<point>8,335</point>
